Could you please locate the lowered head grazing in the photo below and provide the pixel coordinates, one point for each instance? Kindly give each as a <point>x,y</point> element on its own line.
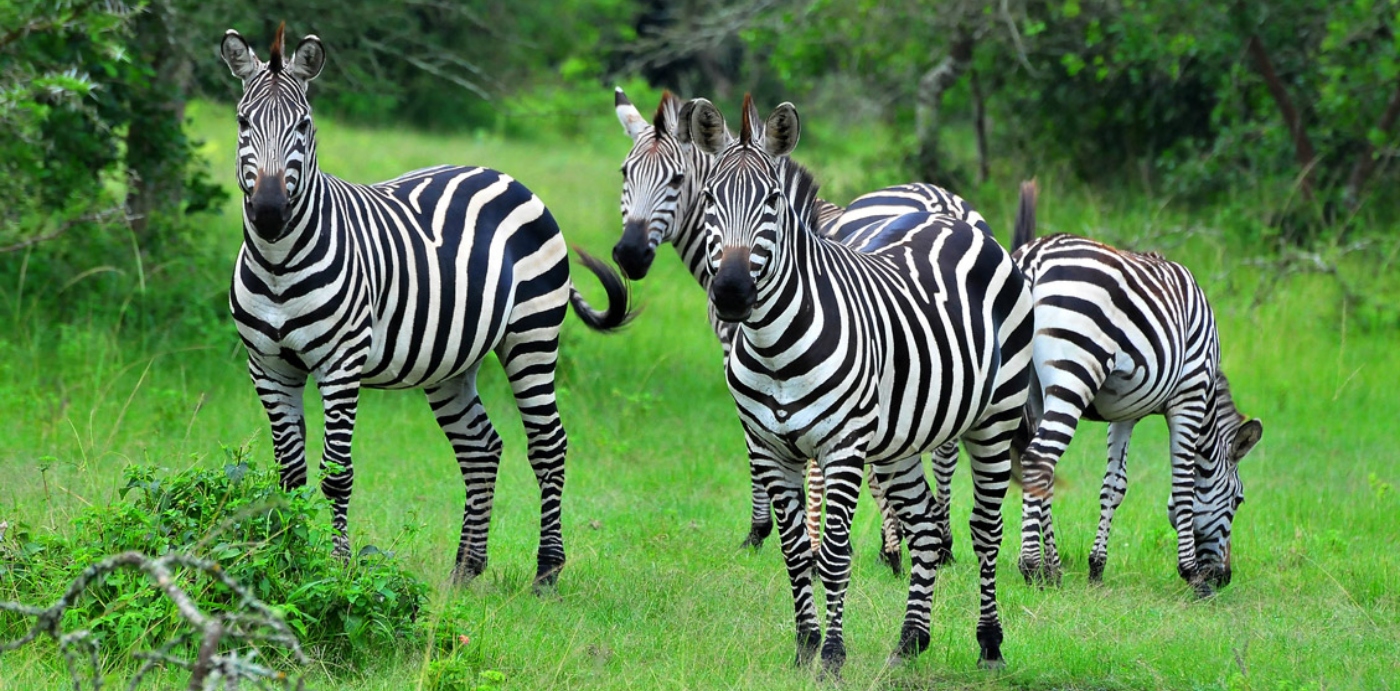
<point>1219,492</point>
<point>276,139</point>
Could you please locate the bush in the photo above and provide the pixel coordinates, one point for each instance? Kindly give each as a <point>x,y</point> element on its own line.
<point>276,543</point>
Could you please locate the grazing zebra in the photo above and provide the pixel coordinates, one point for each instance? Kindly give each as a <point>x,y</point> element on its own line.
<point>403,284</point>
<point>861,358</point>
<point>662,177</point>
<point>1119,336</point>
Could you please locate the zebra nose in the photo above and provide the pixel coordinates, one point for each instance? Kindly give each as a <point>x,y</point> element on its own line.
<point>733,291</point>
<point>633,253</point>
<point>267,206</point>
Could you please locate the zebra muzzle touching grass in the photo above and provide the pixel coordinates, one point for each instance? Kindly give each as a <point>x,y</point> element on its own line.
<point>1119,336</point>
<point>663,175</point>
<point>862,358</point>
<point>402,284</point>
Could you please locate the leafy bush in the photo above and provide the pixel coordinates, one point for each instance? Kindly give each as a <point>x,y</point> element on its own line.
<point>276,543</point>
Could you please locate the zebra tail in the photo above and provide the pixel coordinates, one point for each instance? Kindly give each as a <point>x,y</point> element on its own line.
<point>617,314</point>
<point>1024,233</point>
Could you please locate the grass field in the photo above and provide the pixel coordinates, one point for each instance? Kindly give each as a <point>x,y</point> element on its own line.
<point>657,594</point>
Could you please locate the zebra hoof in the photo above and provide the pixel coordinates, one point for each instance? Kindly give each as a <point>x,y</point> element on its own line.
<point>894,560</point>
<point>467,570</point>
<point>833,659</point>
<point>912,641</point>
<point>547,576</point>
<point>943,556</point>
<point>757,534</point>
<point>989,640</point>
<point>808,644</point>
<point>1096,565</point>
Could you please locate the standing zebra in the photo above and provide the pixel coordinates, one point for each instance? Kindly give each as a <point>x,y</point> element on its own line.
<point>662,178</point>
<point>862,358</point>
<point>1120,336</point>
<point>403,284</point>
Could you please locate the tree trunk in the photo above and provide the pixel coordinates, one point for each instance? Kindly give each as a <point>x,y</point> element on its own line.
<point>1366,164</point>
<point>1307,157</point>
<point>928,101</point>
<point>156,149</point>
<point>979,118</point>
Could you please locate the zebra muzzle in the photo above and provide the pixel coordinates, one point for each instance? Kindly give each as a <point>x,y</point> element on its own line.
<point>268,207</point>
<point>634,252</point>
<point>733,291</point>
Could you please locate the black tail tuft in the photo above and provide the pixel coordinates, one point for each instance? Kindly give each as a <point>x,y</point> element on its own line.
<point>617,315</point>
<point>1025,216</point>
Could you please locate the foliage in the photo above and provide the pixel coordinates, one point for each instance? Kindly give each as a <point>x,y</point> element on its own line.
<point>276,543</point>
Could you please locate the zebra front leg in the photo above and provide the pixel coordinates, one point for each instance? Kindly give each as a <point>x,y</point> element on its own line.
<point>843,476</point>
<point>945,462</point>
<point>907,487</point>
<point>891,535</point>
<point>783,482</point>
<point>760,515</point>
<point>1115,486</point>
<point>529,365</point>
<point>477,446</point>
<point>340,397</point>
<point>1184,425</point>
<point>816,492</point>
<point>280,392</point>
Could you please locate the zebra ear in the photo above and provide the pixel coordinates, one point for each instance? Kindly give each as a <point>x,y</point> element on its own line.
<point>308,60</point>
<point>781,132</point>
<point>707,126</point>
<point>667,113</point>
<point>239,56</point>
<point>1246,436</point>
<point>632,121</point>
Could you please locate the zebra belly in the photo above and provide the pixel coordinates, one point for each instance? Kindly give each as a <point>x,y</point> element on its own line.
<point>1129,393</point>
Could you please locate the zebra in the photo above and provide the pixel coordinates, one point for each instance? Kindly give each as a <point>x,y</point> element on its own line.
<point>662,176</point>
<point>403,284</point>
<point>861,358</point>
<point>1119,336</point>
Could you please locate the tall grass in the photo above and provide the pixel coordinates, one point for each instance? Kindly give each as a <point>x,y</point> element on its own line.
<point>656,593</point>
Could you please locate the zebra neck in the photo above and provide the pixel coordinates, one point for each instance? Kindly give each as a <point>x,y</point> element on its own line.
<point>303,232</point>
<point>690,245</point>
<point>788,302</point>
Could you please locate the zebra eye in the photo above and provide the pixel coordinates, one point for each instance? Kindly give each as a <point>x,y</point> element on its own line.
<point>243,123</point>
<point>677,179</point>
<point>304,125</point>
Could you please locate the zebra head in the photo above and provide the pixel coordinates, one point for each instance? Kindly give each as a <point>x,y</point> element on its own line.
<point>276,139</point>
<point>660,179</point>
<point>1219,491</point>
<point>746,201</point>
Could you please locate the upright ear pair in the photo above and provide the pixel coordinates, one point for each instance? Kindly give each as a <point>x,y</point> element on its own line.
<point>777,136</point>
<point>305,64</point>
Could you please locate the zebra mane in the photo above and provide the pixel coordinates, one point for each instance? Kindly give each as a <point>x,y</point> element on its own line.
<point>274,57</point>
<point>800,188</point>
<point>1224,402</point>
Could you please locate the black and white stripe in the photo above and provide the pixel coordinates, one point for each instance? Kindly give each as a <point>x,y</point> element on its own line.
<point>863,358</point>
<point>408,283</point>
<point>662,177</point>
<point>1119,336</point>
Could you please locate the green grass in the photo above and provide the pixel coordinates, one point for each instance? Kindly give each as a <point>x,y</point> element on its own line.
<point>656,593</point>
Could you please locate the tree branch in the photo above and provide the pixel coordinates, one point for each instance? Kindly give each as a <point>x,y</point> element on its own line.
<point>1302,146</point>
<point>1366,161</point>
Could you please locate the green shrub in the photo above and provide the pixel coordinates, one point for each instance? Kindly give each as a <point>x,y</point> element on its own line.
<point>276,543</point>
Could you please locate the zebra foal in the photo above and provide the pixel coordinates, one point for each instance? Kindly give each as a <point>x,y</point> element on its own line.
<point>662,178</point>
<point>1119,336</point>
<point>856,358</point>
<point>402,284</point>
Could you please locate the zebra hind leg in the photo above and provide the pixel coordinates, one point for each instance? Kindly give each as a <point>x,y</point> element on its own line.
<point>989,447</point>
<point>945,462</point>
<point>478,449</point>
<point>816,492</point>
<point>530,365</point>
<point>907,488</point>
<point>892,536</point>
<point>1115,485</point>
